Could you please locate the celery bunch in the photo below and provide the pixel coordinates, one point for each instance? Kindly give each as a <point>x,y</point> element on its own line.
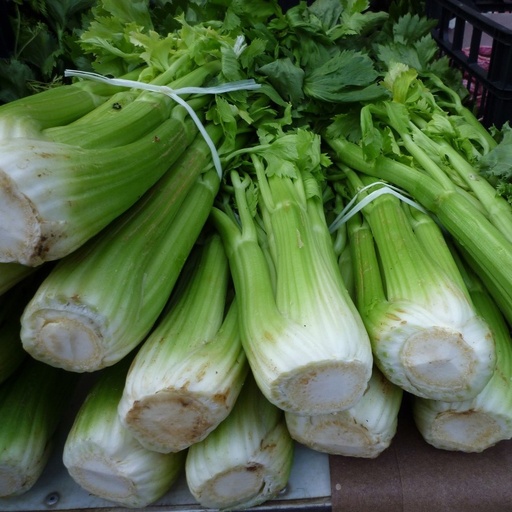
<point>426,335</point>
<point>417,145</point>
<point>246,460</point>
<point>74,320</point>
<point>188,373</point>
<point>475,424</point>
<point>304,339</point>
<point>75,157</point>
<point>103,457</point>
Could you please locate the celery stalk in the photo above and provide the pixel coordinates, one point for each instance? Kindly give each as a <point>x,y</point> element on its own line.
<point>187,374</point>
<point>497,209</point>
<point>304,339</point>
<point>426,335</point>
<point>246,460</point>
<point>54,197</point>
<point>105,459</point>
<point>32,403</point>
<point>477,424</point>
<point>487,247</point>
<point>123,122</point>
<point>99,302</point>
<point>56,106</point>
<point>365,430</point>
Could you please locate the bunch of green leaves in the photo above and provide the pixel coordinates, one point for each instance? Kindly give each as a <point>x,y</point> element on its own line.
<point>123,36</point>
<point>406,38</point>
<point>40,37</point>
<point>496,166</point>
<point>316,55</point>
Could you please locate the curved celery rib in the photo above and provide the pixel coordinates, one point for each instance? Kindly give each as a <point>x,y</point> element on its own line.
<point>188,373</point>
<point>128,116</point>
<point>53,107</point>
<point>98,303</point>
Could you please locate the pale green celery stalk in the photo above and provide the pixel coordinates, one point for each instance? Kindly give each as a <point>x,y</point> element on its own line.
<point>28,116</point>
<point>435,242</point>
<point>346,270</point>
<point>426,336</point>
<point>188,373</point>
<point>489,249</point>
<point>477,424</point>
<point>246,460</point>
<point>341,244</point>
<point>427,150</point>
<point>310,290</point>
<point>32,403</point>
<point>13,273</point>
<point>305,343</point>
<point>498,209</point>
<point>54,197</point>
<point>99,302</point>
<point>122,123</point>
<point>454,103</point>
<point>433,156</point>
<point>365,430</point>
<point>393,115</point>
<point>126,95</point>
<point>103,457</point>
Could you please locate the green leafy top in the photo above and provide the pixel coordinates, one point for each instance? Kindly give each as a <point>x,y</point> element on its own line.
<point>496,166</point>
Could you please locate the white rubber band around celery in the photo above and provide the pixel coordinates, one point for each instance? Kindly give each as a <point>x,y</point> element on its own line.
<point>247,85</point>
<point>350,210</point>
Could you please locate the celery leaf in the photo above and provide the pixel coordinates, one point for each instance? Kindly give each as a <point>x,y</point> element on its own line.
<point>286,78</point>
<point>347,76</point>
<point>496,165</point>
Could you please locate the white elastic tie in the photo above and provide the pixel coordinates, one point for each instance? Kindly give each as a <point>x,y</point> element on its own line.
<point>247,85</point>
<point>350,211</point>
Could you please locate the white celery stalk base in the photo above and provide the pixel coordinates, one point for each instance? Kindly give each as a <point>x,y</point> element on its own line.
<point>20,229</point>
<point>432,357</point>
<point>240,480</point>
<point>308,369</point>
<point>172,420</point>
<point>14,483</point>
<point>18,476</point>
<point>365,430</point>
<point>338,434</point>
<point>320,386</point>
<point>101,477</point>
<point>471,426</point>
<point>243,485</point>
<point>70,337</point>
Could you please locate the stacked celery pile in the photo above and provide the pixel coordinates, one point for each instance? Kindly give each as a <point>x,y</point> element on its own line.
<point>271,229</point>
